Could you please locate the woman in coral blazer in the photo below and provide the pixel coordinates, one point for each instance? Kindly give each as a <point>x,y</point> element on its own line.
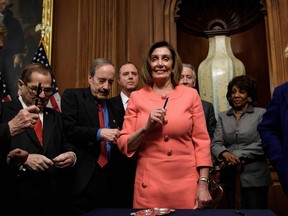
<point>172,142</point>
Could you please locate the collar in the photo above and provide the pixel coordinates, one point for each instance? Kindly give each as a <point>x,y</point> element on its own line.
<point>25,106</point>
<point>250,109</point>
<point>124,98</point>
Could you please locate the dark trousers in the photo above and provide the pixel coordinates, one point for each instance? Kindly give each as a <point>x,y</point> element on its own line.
<point>251,197</point>
<point>95,195</point>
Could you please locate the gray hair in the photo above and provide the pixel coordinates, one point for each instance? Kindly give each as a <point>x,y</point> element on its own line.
<point>193,69</point>
<point>97,63</point>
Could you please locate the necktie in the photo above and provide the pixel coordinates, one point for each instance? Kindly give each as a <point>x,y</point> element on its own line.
<point>38,130</point>
<point>103,157</point>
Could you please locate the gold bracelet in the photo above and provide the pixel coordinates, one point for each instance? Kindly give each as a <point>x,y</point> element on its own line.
<point>205,179</point>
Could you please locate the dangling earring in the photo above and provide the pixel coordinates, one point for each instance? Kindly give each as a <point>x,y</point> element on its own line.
<point>249,99</point>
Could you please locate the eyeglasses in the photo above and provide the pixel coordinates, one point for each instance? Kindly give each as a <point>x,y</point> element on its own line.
<point>33,90</point>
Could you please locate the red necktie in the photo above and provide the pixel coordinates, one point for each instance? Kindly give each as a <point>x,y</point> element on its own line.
<point>38,130</point>
<point>103,157</point>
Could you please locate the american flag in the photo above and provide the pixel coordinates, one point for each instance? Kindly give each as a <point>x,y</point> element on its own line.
<point>4,91</point>
<point>41,57</point>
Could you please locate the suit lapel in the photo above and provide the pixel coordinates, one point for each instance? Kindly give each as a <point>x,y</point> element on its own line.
<point>90,104</point>
<point>120,104</point>
<point>117,110</point>
<point>112,120</point>
<point>47,124</point>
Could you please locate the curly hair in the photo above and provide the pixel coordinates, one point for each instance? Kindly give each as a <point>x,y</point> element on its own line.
<point>246,83</point>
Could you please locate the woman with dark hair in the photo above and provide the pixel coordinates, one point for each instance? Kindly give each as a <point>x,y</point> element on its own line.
<point>170,136</point>
<point>237,145</point>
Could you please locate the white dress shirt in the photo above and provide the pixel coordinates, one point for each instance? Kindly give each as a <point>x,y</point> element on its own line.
<point>125,100</point>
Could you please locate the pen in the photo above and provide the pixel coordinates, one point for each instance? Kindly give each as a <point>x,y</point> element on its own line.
<point>38,93</point>
<point>165,103</point>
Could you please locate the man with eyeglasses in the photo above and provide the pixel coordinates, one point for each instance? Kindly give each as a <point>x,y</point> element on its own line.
<point>39,186</point>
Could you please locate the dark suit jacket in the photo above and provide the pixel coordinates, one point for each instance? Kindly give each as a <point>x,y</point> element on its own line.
<point>210,117</point>
<point>118,109</point>
<point>80,116</point>
<point>37,193</point>
<point>4,134</point>
<point>4,129</point>
<point>273,130</point>
<point>127,166</point>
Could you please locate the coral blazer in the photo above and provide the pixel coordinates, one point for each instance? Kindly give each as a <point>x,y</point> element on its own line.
<point>168,157</point>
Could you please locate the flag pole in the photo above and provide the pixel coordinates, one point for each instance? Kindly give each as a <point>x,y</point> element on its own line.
<point>44,28</point>
<point>41,57</point>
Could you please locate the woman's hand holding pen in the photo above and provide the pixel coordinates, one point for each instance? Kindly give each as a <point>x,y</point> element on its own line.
<point>157,116</point>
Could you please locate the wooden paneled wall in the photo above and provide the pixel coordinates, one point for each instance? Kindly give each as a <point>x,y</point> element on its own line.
<point>277,40</point>
<point>122,30</point>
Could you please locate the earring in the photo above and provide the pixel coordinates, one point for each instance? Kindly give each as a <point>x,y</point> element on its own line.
<point>249,99</point>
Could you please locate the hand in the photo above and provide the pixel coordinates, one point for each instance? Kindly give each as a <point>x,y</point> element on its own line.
<point>110,135</point>
<point>203,197</point>
<point>38,162</point>
<point>17,157</point>
<point>64,160</point>
<point>157,116</point>
<point>230,158</point>
<point>26,118</point>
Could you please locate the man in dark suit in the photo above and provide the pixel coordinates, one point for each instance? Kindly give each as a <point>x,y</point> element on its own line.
<point>37,187</point>
<point>127,78</point>
<point>81,115</point>
<point>188,78</point>
<point>273,130</point>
